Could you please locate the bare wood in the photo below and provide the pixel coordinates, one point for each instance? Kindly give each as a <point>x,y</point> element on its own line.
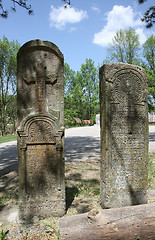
<point>127,223</point>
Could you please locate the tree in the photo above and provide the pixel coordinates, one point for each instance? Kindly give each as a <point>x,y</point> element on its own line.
<point>8,80</point>
<point>69,98</point>
<point>67,2</point>
<point>81,91</point>
<point>73,94</point>
<point>149,55</point>
<point>149,52</point>
<point>89,81</point>
<point>149,16</point>
<point>125,46</point>
<point>22,3</point>
<point>11,112</point>
<point>132,222</point>
<point>69,76</point>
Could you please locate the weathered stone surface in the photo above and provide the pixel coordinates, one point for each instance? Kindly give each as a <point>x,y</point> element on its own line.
<point>124,135</point>
<point>40,132</point>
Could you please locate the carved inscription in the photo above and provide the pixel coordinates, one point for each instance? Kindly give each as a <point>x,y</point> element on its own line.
<point>41,131</point>
<point>41,168</point>
<point>124,138</point>
<point>128,120</point>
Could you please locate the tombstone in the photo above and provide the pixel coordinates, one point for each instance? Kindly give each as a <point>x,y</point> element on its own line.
<point>98,119</point>
<point>40,101</point>
<point>124,135</point>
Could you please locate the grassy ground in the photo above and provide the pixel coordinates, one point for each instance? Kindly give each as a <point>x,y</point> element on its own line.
<point>151,171</point>
<point>82,195</point>
<point>8,138</point>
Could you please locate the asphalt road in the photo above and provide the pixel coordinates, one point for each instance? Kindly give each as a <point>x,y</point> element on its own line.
<point>80,144</point>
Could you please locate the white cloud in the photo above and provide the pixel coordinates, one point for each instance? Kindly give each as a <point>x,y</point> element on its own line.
<point>142,36</point>
<point>61,16</point>
<point>119,17</point>
<point>96,9</point>
<point>73,29</point>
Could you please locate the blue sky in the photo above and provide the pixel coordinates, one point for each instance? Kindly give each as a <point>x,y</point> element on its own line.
<point>84,30</point>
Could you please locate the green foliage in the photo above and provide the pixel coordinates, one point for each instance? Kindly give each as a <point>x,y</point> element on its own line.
<point>4,199</point>
<point>149,55</point>
<point>81,87</point>
<point>69,118</point>
<point>81,92</point>
<point>56,231</point>
<point>8,81</point>
<point>3,233</point>
<point>69,79</point>
<point>90,86</point>
<point>89,188</point>
<point>125,46</point>
<point>151,171</point>
<point>149,52</point>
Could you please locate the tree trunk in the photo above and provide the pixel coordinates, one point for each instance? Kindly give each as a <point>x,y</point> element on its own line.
<point>127,223</point>
<point>3,126</point>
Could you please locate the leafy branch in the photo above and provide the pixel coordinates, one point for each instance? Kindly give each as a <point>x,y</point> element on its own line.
<point>149,15</point>
<point>21,3</point>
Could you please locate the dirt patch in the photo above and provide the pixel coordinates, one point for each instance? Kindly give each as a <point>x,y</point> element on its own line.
<point>82,186</point>
<point>82,195</point>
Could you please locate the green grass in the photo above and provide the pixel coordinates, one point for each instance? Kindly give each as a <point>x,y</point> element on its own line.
<point>54,230</point>
<point>8,138</point>
<point>3,233</point>
<point>89,187</point>
<point>4,199</point>
<point>151,171</point>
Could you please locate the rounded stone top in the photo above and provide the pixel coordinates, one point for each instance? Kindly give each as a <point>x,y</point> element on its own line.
<point>112,68</point>
<point>129,81</point>
<point>38,44</point>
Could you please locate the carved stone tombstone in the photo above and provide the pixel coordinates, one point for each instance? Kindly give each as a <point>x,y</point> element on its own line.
<point>124,135</point>
<point>40,102</point>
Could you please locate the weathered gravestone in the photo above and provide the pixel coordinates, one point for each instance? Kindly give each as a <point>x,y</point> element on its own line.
<point>124,135</point>
<point>40,132</point>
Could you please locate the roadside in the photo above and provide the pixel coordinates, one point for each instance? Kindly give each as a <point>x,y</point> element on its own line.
<point>80,144</point>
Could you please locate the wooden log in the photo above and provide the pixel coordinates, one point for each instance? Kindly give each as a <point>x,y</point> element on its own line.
<point>127,223</point>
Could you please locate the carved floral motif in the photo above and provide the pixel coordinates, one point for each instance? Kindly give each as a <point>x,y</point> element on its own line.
<point>127,86</point>
<point>40,131</point>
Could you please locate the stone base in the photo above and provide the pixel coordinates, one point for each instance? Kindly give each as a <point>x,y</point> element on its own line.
<point>32,210</point>
<point>123,198</point>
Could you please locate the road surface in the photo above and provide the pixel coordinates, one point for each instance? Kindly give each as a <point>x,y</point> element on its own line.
<point>80,144</point>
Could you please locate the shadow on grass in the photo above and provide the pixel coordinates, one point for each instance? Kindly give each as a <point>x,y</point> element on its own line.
<point>71,192</point>
<point>82,193</point>
<point>8,189</point>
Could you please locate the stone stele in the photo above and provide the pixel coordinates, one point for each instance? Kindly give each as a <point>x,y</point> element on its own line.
<point>40,101</point>
<point>124,135</point>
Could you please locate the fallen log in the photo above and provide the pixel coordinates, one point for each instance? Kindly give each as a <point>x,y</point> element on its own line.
<point>127,223</point>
